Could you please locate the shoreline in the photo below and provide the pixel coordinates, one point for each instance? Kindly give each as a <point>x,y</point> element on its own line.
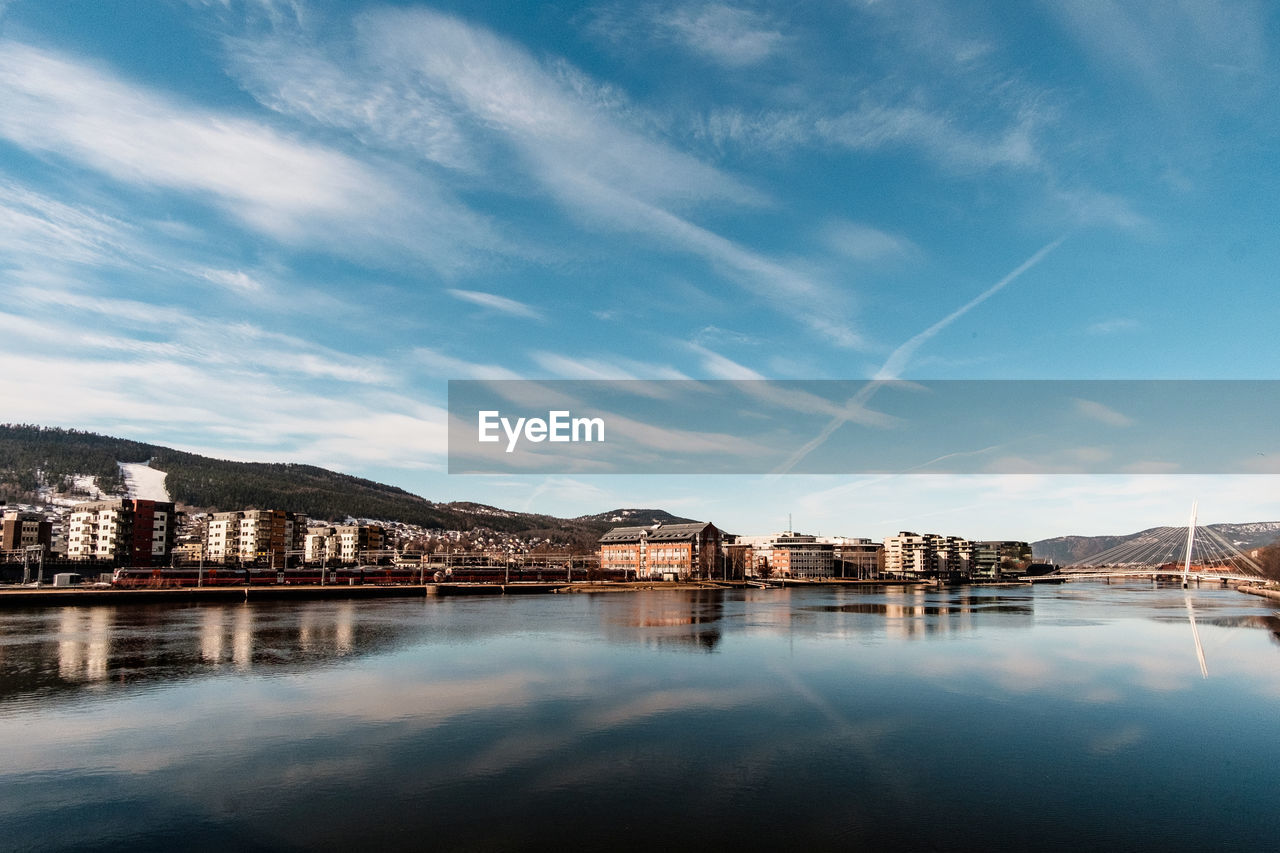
<point>48,596</point>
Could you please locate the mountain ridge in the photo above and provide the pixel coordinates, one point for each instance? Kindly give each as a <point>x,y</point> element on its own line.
<point>36,461</point>
<point>1072,548</point>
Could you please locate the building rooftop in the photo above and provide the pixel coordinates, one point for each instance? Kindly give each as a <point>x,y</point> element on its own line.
<point>656,533</point>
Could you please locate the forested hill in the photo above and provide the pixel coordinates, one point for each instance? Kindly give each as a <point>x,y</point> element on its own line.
<point>35,461</point>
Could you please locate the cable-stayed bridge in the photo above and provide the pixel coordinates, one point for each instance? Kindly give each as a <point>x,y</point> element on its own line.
<point>1190,552</point>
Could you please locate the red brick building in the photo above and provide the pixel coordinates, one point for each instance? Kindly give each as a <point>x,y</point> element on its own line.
<point>664,551</point>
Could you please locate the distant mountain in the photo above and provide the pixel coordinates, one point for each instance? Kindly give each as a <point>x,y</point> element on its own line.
<point>632,518</point>
<point>1071,549</point>
<point>37,463</point>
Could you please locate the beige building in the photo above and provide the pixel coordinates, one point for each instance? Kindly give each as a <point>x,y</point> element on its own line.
<point>344,543</point>
<point>254,535</point>
<point>321,545</point>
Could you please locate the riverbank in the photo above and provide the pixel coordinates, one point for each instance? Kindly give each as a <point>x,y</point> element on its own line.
<point>49,596</point>
<point>64,596</point>
<point>1265,592</point>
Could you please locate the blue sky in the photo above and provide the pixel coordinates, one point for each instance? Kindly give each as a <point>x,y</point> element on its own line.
<point>273,230</point>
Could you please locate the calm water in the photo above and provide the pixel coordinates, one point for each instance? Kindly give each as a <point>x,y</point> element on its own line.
<point>1069,717</point>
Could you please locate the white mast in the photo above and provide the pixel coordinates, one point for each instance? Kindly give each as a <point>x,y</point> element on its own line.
<point>1191,538</point>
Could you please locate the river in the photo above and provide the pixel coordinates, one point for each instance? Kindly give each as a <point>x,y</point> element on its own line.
<point>1054,717</point>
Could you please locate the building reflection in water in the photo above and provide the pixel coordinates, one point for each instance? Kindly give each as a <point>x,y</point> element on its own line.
<point>687,619</point>
<point>242,638</point>
<point>71,646</point>
<point>84,643</point>
<point>915,612</point>
<point>345,627</point>
<point>212,631</point>
<point>702,618</point>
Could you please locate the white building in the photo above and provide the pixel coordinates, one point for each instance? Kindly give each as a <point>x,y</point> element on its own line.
<point>925,555</point>
<point>133,532</point>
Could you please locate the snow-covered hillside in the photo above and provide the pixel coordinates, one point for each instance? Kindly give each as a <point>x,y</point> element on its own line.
<point>144,482</point>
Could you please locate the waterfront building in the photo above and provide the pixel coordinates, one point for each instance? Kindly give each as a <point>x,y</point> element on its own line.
<point>222,537</point>
<point>255,535</point>
<point>346,543</point>
<point>356,540</point>
<point>859,558</point>
<point>321,544</point>
<point>22,530</point>
<point>741,559</point>
<point>798,555</point>
<point>131,531</point>
<point>915,555</point>
<point>993,558</point>
<point>664,551</point>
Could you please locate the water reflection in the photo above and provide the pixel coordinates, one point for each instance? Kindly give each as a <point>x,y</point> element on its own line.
<point>915,612</point>
<point>820,719</point>
<point>675,619</point>
<point>1269,623</point>
<point>59,650</point>
<point>83,644</point>
<point>211,636</point>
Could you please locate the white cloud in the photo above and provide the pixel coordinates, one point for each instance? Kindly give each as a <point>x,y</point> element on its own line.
<point>39,229</point>
<point>881,125</point>
<point>235,280</point>
<point>1196,50</point>
<point>1113,326</point>
<point>67,108</point>
<point>864,243</point>
<point>293,77</point>
<point>718,366</point>
<point>501,304</point>
<point>1084,206</point>
<point>574,140</point>
<point>444,366</point>
<point>726,35</point>
<point>296,191</point>
<point>1101,413</point>
<point>220,344</point>
<point>597,368</point>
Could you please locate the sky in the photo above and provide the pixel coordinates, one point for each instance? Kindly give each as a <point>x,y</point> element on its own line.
<point>273,231</point>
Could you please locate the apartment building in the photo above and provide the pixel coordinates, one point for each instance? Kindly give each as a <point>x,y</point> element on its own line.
<point>926,555</point>
<point>22,530</point>
<point>346,543</point>
<point>255,535</point>
<point>321,544</point>
<point>132,532</point>
<point>990,558</point>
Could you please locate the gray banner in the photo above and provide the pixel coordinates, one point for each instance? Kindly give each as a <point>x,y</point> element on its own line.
<point>862,426</point>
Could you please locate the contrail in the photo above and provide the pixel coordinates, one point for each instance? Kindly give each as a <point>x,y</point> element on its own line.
<point>898,359</point>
